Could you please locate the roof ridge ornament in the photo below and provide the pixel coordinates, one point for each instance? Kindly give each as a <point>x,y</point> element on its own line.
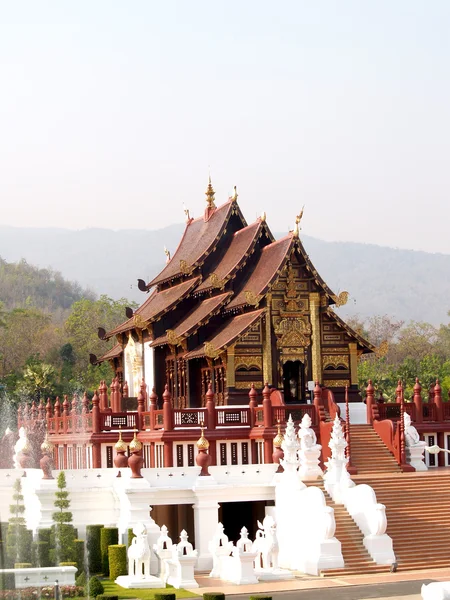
<point>167,253</point>
<point>210,194</point>
<point>298,218</point>
<point>234,197</point>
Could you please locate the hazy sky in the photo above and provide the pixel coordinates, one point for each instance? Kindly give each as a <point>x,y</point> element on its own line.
<point>112,111</point>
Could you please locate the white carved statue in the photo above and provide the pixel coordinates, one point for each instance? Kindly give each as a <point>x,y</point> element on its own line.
<point>183,548</point>
<point>139,553</point>
<point>412,438</point>
<point>413,445</point>
<point>266,544</point>
<point>219,546</point>
<point>309,453</point>
<point>306,434</point>
<point>163,549</point>
<point>20,446</point>
<point>244,544</point>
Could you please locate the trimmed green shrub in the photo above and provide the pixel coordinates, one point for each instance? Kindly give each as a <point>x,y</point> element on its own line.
<point>81,580</point>
<point>107,597</point>
<point>93,548</point>
<point>3,530</point>
<point>41,554</point>
<point>260,597</point>
<point>117,558</point>
<point>109,536</point>
<point>44,534</point>
<point>22,565</point>
<point>214,596</point>
<point>166,596</point>
<point>94,587</point>
<point>63,532</point>
<point>130,536</point>
<point>18,538</point>
<point>79,554</point>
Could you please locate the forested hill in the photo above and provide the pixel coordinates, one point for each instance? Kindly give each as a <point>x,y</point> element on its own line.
<point>22,284</point>
<point>405,284</point>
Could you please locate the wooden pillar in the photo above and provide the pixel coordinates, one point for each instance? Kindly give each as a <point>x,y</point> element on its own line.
<point>231,365</point>
<point>267,342</point>
<point>353,351</point>
<point>316,357</point>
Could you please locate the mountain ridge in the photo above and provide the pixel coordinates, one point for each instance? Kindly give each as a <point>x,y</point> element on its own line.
<point>405,284</point>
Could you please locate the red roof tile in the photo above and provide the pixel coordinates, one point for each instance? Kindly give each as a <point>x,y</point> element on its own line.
<point>234,328</point>
<point>198,240</point>
<point>242,242</point>
<point>197,317</point>
<point>265,272</point>
<point>113,353</point>
<point>157,303</point>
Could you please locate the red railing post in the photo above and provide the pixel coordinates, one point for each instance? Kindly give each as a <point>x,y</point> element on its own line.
<point>168,426</point>
<point>370,397</point>
<point>211,421</point>
<point>318,402</point>
<point>417,399</point>
<point>268,423</point>
<point>96,447</point>
<point>438,402</point>
<point>402,425</point>
<point>253,403</point>
<point>153,406</point>
<point>142,397</point>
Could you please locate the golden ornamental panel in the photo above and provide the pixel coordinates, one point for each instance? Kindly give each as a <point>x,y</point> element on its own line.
<point>336,382</point>
<point>335,360</point>
<point>248,361</point>
<point>293,332</point>
<point>243,385</point>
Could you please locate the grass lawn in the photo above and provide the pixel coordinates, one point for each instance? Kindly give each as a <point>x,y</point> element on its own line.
<point>113,588</point>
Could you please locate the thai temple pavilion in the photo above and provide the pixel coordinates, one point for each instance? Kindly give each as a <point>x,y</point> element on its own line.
<point>233,306</point>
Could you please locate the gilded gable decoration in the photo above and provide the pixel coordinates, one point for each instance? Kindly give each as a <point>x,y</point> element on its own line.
<point>216,282</point>
<point>139,322</point>
<point>172,338</point>
<point>185,269</point>
<point>252,298</point>
<point>293,332</point>
<point>210,351</point>
<point>342,299</point>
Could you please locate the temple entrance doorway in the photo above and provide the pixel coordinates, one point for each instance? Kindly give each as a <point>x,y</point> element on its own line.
<point>294,381</point>
<point>235,515</point>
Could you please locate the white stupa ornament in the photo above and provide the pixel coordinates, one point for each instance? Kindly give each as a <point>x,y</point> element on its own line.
<point>290,447</point>
<point>337,478</point>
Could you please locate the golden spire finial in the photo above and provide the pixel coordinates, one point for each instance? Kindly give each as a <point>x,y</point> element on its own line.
<point>298,218</point>
<point>279,438</point>
<point>234,197</point>
<point>202,443</point>
<point>263,216</point>
<point>210,194</point>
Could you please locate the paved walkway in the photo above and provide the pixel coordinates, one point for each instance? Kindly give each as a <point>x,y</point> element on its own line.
<point>385,586</point>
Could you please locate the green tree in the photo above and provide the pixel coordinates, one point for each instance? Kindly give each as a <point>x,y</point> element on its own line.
<point>85,318</point>
<point>39,379</point>
<point>63,532</point>
<point>19,538</point>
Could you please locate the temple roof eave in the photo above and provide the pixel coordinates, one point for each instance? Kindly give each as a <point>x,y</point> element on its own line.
<point>197,318</point>
<point>228,334</point>
<point>155,306</point>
